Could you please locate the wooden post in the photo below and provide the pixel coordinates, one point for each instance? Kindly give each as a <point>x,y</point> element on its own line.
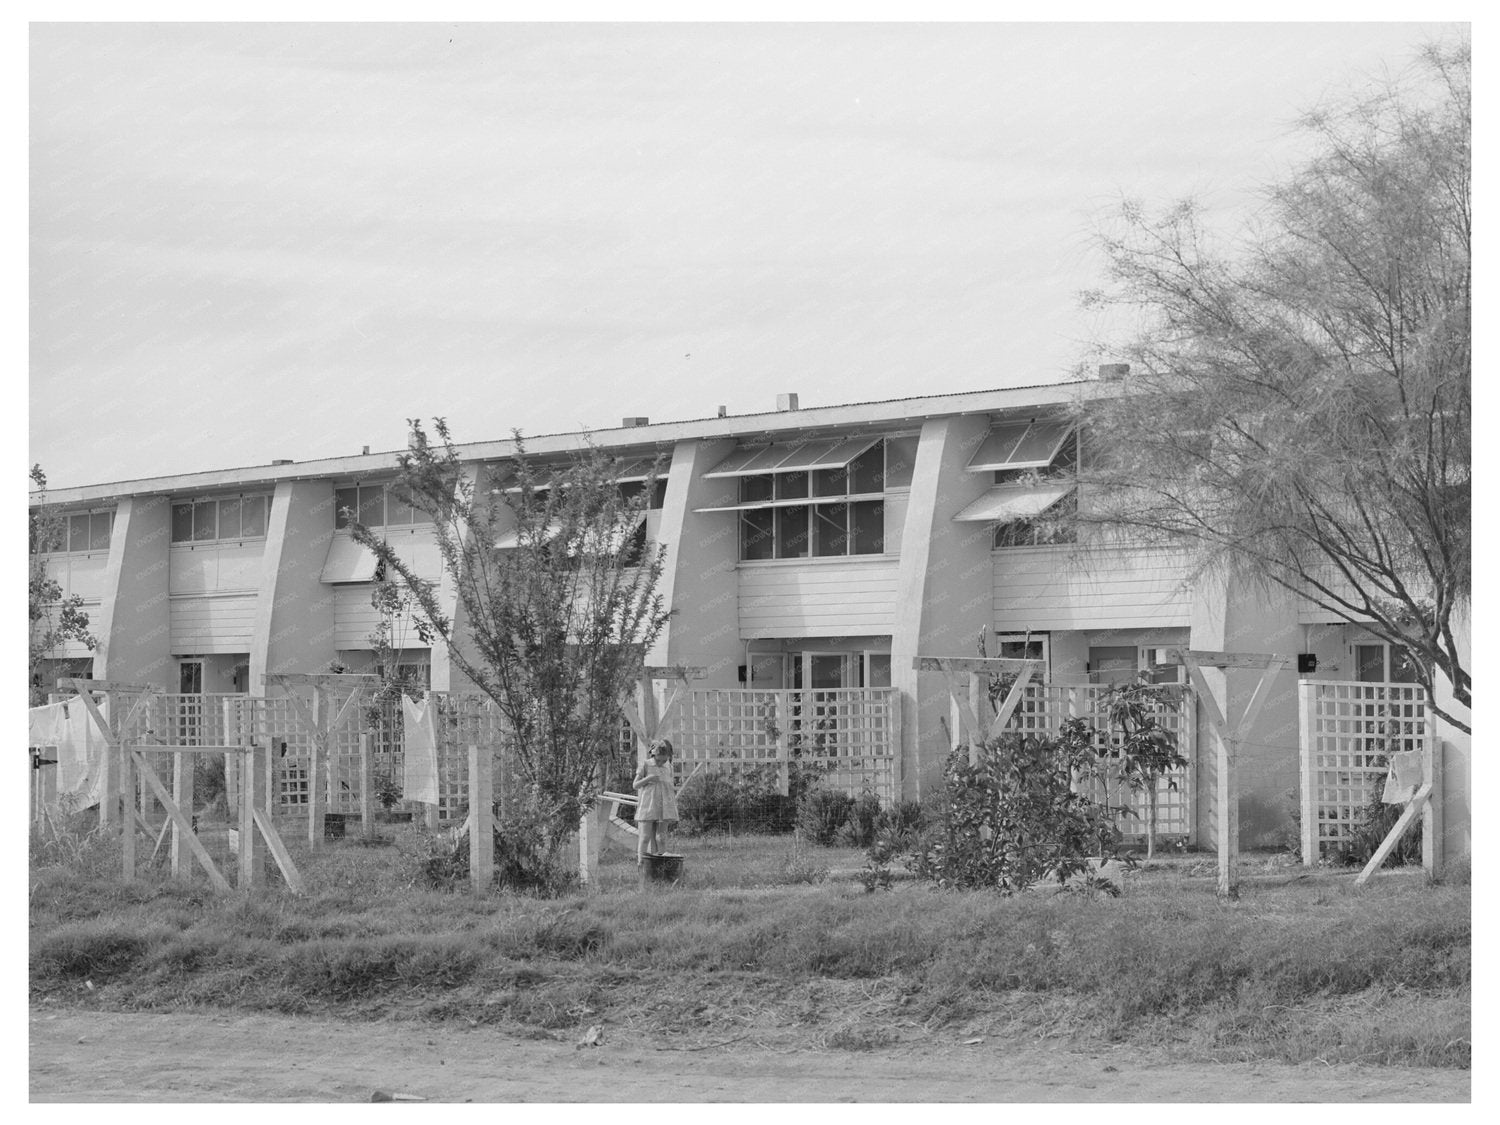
<point>481,818</point>
<point>250,873</point>
<point>126,798</point>
<point>1433,858</point>
<point>182,797</point>
<point>784,741</point>
<point>109,785</point>
<point>315,767</point>
<point>1307,701</point>
<point>977,699</point>
<point>231,785</point>
<point>366,788</point>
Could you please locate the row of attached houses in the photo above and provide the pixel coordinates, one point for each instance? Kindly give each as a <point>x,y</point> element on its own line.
<point>819,548</point>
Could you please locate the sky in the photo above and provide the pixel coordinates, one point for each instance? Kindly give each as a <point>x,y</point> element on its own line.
<point>258,241</point>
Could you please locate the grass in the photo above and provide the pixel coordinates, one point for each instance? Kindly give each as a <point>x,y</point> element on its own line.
<point>768,941</point>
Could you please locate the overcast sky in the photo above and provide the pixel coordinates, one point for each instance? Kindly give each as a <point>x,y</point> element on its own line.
<point>262,241</point>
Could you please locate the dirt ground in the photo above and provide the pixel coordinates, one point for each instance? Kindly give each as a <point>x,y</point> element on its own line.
<point>97,1056</point>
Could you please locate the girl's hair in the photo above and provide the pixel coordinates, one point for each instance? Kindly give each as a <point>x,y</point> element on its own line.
<point>662,744</point>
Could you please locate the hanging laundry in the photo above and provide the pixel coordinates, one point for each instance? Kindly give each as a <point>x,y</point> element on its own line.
<point>45,722</point>
<point>79,747</point>
<point>420,780</point>
<point>1404,778</point>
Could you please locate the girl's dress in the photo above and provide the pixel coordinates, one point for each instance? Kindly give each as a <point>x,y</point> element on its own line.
<point>658,799</point>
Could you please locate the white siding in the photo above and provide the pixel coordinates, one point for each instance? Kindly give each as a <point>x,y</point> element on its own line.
<point>81,574</point>
<point>216,623</point>
<point>1117,588</point>
<point>818,597</point>
<point>214,569</point>
<point>354,619</point>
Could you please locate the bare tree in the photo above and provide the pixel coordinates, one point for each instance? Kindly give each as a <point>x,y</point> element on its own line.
<point>53,619</point>
<point>1298,407</point>
<point>553,625</point>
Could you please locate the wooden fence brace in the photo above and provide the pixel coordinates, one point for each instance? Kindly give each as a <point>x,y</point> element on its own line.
<point>1306,703</point>
<point>196,847</point>
<point>127,810</point>
<point>183,798</point>
<point>481,817</point>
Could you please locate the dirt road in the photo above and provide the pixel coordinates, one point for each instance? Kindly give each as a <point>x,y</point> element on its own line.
<point>92,1056</point>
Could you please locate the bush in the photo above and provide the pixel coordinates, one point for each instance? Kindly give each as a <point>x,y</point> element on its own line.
<point>821,813</point>
<point>523,859</point>
<point>858,831</point>
<point>744,798</point>
<point>1014,818</point>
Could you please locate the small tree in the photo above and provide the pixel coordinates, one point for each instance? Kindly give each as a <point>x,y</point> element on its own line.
<point>551,627</point>
<point>1016,816</point>
<point>53,618</point>
<point>1145,749</point>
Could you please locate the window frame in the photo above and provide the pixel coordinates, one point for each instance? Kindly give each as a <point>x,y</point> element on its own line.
<point>193,503</point>
<point>782,496</point>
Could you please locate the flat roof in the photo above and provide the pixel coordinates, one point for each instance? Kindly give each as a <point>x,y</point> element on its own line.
<point>769,424</point>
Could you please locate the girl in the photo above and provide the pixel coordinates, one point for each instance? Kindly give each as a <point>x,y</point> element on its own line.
<point>658,799</point>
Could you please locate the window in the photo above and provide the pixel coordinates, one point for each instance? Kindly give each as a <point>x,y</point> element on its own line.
<point>1380,663</point>
<point>1034,498</point>
<point>1119,664</point>
<point>1024,646</point>
<point>374,505</point>
<point>816,499</point>
<point>232,517</point>
<point>85,531</point>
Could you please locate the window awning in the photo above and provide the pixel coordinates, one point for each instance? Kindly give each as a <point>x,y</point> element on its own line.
<point>627,472</point>
<point>512,538</point>
<point>613,542</point>
<point>799,502</point>
<point>348,561</point>
<point>1020,445</point>
<point>798,457</point>
<point>1007,502</point>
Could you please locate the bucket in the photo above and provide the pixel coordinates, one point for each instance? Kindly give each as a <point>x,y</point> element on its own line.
<point>664,869</point>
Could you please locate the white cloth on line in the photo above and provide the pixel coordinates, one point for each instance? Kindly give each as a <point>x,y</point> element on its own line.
<point>419,741</point>
<point>44,723</point>
<point>79,747</point>
<point>1404,778</point>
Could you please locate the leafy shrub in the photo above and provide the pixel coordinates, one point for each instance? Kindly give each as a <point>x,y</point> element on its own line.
<point>821,813</point>
<point>744,798</point>
<point>858,830</point>
<point>523,860</point>
<point>1014,818</point>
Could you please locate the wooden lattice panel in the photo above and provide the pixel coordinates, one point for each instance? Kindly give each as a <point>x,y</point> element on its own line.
<point>1349,732</point>
<point>1043,709</point>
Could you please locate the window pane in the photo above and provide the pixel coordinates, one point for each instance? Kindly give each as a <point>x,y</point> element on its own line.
<point>182,523</point>
<point>1021,650</point>
<point>830,482</point>
<point>754,488</point>
<point>1112,664</point>
<point>831,529</point>
<point>756,538</point>
<point>880,669</point>
<point>229,518</point>
<point>868,527</point>
<point>867,471</point>
<point>398,511</point>
<point>792,532</point>
<point>253,516</point>
<point>1369,663</point>
<point>78,532</point>
<point>1403,667</point>
<point>791,486</point>
<point>206,519</point>
<point>345,506</point>
<point>100,524</point>
<point>372,505</point>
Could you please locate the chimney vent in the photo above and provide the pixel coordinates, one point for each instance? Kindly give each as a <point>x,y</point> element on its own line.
<point>364,451</point>
<point>786,402</point>
<point>1113,372</point>
<point>631,423</point>
<point>282,461</point>
<point>723,411</point>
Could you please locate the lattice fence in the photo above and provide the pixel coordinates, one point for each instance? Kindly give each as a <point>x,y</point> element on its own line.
<point>1044,707</point>
<point>1349,731</point>
<point>743,755</point>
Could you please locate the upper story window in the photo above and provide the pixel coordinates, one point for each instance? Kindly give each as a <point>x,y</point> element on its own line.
<point>812,499</point>
<point>1035,493</point>
<point>374,505</point>
<point>229,517</point>
<point>74,532</point>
